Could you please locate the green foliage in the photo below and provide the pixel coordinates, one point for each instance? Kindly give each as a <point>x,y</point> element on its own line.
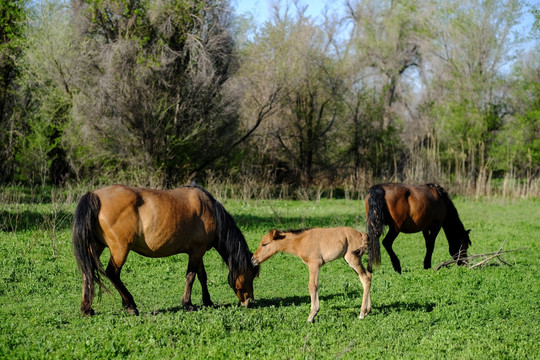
<point>12,16</point>
<point>518,144</point>
<point>160,92</point>
<point>482,313</point>
<point>165,65</point>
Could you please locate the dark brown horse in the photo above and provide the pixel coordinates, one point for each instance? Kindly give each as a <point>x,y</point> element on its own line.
<point>411,209</point>
<point>157,223</point>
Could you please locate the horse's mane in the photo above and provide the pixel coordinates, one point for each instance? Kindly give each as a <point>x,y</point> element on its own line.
<point>452,223</point>
<point>230,242</point>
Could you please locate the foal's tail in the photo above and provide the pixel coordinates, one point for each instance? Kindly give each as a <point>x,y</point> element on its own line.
<point>375,223</point>
<point>85,240</point>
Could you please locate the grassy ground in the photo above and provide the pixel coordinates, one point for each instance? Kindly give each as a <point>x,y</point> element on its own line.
<point>489,312</point>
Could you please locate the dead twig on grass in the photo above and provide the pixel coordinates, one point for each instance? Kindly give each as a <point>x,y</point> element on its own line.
<point>486,258</point>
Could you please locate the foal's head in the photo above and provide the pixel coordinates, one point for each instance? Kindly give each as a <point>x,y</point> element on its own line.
<point>268,246</point>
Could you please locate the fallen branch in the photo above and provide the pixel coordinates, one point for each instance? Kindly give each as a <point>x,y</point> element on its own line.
<point>486,258</point>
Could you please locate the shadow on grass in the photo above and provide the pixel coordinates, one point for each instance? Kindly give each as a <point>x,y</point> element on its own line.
<point>399,306</point>
<point>14,220</point>
<point>293,222</point>
<point>289,301</point>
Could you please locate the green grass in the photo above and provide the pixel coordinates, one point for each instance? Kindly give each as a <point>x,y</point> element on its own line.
<point>483,313</point>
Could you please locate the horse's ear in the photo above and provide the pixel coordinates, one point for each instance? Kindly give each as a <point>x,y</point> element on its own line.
<point>468,231</point>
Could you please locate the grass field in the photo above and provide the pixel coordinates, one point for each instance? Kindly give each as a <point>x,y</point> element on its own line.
<point>457,313</point>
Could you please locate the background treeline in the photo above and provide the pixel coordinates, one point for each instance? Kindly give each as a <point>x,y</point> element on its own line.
<point>163,92</point>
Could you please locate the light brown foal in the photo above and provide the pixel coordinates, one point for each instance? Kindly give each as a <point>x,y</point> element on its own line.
<point>316,247</point>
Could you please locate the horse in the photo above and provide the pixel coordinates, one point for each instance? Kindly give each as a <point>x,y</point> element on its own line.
<point>157,223</point>
<point>410,209</point>
<point>316,247</point>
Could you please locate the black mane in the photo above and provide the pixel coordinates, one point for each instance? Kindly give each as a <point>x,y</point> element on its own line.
<point>230,242</point>
<point>452,225</point>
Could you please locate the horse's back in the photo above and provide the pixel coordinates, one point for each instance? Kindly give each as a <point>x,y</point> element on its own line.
<point>156,222</point>
<point>413,207</point>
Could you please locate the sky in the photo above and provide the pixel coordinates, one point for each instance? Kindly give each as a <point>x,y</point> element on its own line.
<point>262,10</point>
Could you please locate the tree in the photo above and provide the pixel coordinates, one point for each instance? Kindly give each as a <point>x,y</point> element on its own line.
<point>467,95</point>
<point>12,16</point>
<point>155,94</point>
<point>291,61</point>
<point>385,46</point>
<point>516,147</point>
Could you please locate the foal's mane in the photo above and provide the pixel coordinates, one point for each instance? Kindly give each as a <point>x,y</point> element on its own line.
<point>230,242</point>
<point>295,231</point>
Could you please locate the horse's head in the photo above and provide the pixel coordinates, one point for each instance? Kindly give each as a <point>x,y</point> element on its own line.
<point>243,284</point>
<point>268,246</point>
<point>458,248</point>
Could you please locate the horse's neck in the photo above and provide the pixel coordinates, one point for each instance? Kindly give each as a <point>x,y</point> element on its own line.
<point>453,227</point>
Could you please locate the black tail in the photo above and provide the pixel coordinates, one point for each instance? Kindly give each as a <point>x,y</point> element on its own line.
<point>375,223</point>
<point>84,241</point>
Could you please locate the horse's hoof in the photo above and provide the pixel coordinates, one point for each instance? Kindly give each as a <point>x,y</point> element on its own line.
<point>88,313</point>
<point>361,316</point>
<point>133,311</point>
<point>189,307</point>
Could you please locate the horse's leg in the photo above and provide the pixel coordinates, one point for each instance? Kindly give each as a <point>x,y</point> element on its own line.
<point>354,259</point>
<point>117,260</point>
<point>314,289</point>
<point>201,274</point>
<point>387,242</point>
<point>88,288</point>
<point>430,235</point>
<point>194,266</point>
<point>119,253</point>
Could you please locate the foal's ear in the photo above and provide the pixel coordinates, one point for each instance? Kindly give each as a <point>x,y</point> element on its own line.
<point>275,234</point>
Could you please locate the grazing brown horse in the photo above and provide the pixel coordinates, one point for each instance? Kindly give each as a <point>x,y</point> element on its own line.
<point>157,223</point>
<point>410,209</point>
<point>316,247</point>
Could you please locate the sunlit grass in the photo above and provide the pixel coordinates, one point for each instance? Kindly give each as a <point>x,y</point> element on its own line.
<point>489,312</point>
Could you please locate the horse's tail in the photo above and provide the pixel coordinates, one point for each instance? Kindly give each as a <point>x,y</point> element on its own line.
<point>85,240</point>
<point>375,223</point>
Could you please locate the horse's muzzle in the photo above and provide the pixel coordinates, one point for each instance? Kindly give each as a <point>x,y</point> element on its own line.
<point>246,303</point>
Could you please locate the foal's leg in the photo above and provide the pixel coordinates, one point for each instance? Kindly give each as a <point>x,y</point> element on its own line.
<point>314,289</point>
<point>430,235</point>
<point>117,260</point>
<point>354,259</point>
<point>387,242</point>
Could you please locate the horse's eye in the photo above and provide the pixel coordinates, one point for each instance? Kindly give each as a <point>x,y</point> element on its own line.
<point>265,244</point>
